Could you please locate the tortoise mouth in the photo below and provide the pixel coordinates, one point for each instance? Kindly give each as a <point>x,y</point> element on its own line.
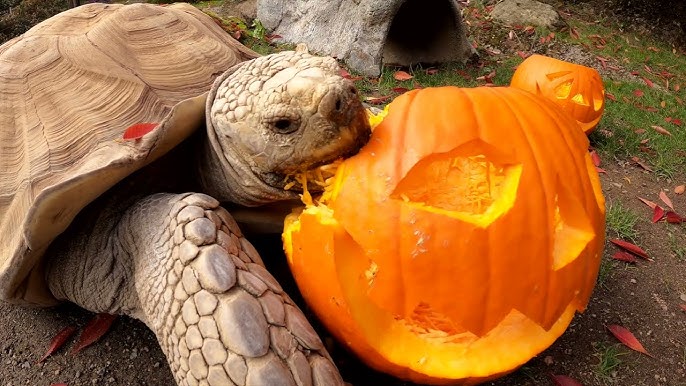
<point>321,165</point>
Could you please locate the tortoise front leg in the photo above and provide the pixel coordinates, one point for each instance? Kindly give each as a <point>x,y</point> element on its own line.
<point>180,264</point>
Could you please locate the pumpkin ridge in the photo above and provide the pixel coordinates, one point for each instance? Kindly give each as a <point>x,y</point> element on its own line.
<point>588,203</point>
<point>541,175</point>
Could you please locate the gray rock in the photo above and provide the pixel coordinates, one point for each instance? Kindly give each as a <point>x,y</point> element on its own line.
<point>369,33</point>
<point>527,12</point>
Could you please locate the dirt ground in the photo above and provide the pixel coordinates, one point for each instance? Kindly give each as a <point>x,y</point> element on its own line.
<point>644,297</point>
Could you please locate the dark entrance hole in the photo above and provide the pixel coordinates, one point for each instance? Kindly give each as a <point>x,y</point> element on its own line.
<point>424,32</point>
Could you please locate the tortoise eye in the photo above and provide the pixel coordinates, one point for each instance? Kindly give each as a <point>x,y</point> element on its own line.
<point>285,126</point>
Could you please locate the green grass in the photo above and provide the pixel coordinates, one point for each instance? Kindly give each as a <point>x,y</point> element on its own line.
<point>621,222</point>
<point>629,117</point>
<point>677,245</point>
<point>605,272</point>
<point>608,359</point>
<point>450,74</point>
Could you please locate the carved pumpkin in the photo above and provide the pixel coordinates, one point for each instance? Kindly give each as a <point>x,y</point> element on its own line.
<point>577,89</point>
<point>460,241</point>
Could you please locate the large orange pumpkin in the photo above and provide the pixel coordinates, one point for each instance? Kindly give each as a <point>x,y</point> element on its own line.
<point>460,241</point>
<point>577,89</point>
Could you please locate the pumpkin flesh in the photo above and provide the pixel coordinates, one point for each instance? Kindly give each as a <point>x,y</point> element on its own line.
<point>449,250</point>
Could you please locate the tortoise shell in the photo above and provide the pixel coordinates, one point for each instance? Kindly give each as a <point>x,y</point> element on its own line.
<point>69,89</point>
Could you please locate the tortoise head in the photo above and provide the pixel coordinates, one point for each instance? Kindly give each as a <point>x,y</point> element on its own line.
<point>280,114</point>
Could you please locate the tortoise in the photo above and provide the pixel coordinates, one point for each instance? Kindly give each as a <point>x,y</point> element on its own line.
<point>124,218</point>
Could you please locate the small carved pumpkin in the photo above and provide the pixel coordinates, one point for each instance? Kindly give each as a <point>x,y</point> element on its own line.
<point>460,241</point>
<point>577,89</point>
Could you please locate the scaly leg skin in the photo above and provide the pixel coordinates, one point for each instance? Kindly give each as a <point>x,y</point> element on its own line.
<point>180,264</point>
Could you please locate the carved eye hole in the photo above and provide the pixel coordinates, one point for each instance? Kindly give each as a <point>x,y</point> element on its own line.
<point>285,126</point>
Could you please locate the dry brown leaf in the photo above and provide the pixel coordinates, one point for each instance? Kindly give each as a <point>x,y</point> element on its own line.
<point>665,199</point>
<point>651,204</point>
<point>377,100</point>
<point>642,164</point>
<point>661,130</point>
<point>680,189</point>
<point>402,75</point>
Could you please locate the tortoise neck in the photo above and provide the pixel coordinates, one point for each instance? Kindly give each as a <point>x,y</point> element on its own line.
<point>225,174</point>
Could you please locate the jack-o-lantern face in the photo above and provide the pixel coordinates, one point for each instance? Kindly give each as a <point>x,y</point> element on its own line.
<point>577,89</point>
<point>460,241</point>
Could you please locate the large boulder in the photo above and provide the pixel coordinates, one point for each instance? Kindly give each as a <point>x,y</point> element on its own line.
<point>527,12</point>
<point>369,33</point>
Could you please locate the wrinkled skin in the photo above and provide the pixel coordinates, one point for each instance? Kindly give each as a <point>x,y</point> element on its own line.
<point>276,116</point>
<point>180,263</point>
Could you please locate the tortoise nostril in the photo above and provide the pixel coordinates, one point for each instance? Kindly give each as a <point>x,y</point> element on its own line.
<point>339,104</point>
<point>353,90</point>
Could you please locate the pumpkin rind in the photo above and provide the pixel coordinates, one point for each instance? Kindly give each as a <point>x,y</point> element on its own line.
<point>460,241</point>
<point>577,89</point>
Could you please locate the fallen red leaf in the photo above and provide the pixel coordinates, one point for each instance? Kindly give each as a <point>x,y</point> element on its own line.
<point>674,218</point>
<point>600,170</point>
<point>138,130</point>
<point>344,73</point>
<point>648,82</point>
<point>611,97</point>
<point>638,93</point>
<point>627,338</point>
<point>431,71</point>
<point>624,256</point>
<point>651,204</point>
<point>661,130</point>
<point>563,380</point>
<point>677,121</point>
<point>402,75</point>
<point>680,189</point>
<point>58,341</point>
<point>633,248</point>
<point>658,213</point>
<point>400,90</point>
<point>595,158</point>
<point>665,199</point>
<point>683,307</point>
<point>94,330</point>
